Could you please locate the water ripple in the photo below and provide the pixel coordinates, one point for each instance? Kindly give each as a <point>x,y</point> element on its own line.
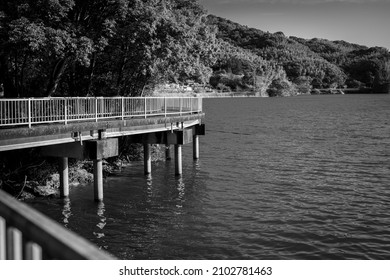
<point>292,178</point>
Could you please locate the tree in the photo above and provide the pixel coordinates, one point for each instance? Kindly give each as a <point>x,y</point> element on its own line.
<point>158,41</point>
<point>303,84</point>
<point>40,39</point>
<point>281,87</point>
<point>382,77</point>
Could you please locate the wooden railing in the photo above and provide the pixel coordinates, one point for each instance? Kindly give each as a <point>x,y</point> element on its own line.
<point>32,111</point>
<point>27,234</point>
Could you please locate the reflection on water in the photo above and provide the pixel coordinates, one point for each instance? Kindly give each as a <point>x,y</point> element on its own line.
<point>181,193</point>
<point>283,178</point>
<point>102,221</point>
<point>149,188</point>
<point>66,211</point>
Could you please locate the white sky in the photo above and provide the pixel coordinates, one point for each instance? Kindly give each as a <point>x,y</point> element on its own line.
<point>365,22</point>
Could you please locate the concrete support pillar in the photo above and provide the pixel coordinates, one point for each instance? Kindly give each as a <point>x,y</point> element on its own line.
<point>168,152</point>
<point>195,145</point>
<point>147,159</point>
<point>178,160</point>
<point>98,179</point>
<point>64,177</point>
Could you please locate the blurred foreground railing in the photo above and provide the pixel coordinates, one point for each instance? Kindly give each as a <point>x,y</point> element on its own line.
<point>32,111</point>
<point>27,234</point>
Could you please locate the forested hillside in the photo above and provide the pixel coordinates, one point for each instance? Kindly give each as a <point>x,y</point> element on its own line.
<point>121,47</point>
<point>315,63</point>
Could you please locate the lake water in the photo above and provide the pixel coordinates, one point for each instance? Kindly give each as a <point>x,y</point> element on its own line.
<point>278,178</point>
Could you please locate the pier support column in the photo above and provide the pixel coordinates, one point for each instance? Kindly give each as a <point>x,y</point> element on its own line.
<point>98,179</point>
<point>178,159</point>
<point>195,145</point>
<point>168,152</point>
<point>64,177</point>
<point>147,159</point>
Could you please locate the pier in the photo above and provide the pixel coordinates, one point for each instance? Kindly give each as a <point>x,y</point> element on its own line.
<point>88,128</point>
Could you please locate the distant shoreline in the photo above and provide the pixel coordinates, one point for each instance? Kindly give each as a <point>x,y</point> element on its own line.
<point>215,94</point>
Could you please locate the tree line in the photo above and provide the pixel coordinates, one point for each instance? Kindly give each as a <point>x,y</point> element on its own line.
<point>121,47</point>
<point>99,47</point>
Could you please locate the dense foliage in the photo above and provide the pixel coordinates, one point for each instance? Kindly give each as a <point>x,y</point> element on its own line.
<point>99,47</point>
<point>119,47</point>
<point>316,63</point>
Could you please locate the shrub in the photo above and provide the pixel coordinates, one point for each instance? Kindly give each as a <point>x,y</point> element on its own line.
<point>281,87</point>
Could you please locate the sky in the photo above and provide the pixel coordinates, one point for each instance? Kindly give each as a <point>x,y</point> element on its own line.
<point>364,22</point>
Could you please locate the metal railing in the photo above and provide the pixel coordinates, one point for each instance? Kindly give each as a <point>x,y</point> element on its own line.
<point>27,234</point>
<point>64,110</point>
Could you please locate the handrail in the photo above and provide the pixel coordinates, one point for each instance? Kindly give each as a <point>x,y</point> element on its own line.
<point>27,234</point>
<point>31,111</point>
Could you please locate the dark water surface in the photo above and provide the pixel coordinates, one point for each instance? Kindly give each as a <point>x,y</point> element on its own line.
<point>279,178</point>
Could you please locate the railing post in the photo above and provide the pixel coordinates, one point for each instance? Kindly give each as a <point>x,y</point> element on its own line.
<point>123,108</point>
<point>14,244</point>
<point>180,104</point>
<point>102,107</point>
<point>96,109</point>
<point>145,108</point>
<point>29,113</point>
<point>78,108</point>
<point>165,106</point>
<point>66,110</point>
<point>24,232</point>
<point>2,239</point>
<point>33,251</point>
